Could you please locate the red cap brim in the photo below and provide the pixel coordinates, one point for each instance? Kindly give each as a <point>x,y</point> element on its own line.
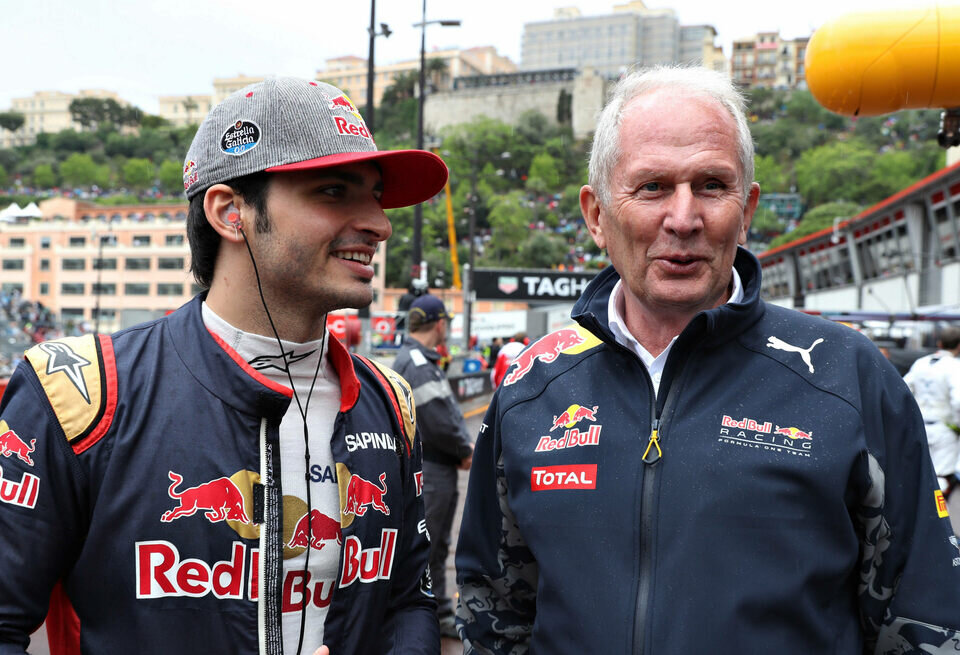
<point>409,176</point>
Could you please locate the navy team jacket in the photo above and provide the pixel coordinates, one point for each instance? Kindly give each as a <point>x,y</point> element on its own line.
<point>777,496</point>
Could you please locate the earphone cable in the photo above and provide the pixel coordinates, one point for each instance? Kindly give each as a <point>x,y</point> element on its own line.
<point>306,435</point>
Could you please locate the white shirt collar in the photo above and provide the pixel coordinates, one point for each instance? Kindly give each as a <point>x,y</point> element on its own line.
<point>623,336</point>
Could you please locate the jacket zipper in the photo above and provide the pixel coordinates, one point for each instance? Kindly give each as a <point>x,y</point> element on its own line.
<point>261,561</point>
<point>651,456</point>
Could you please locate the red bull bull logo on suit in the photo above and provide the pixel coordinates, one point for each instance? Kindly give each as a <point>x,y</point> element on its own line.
<point>321,529</point>
<point>12,445</point>
<point>219,500</point>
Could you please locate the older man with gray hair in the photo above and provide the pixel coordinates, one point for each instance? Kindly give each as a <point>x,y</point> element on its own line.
<point>687,469</point>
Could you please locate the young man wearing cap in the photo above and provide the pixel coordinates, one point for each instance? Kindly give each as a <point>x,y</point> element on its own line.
<point>227,478</point>
<point>446,442</point>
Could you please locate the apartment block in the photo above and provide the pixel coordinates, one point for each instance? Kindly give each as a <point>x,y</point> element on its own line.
<point>611,44</point>
<point>766,60</point>
<point>47,111</point>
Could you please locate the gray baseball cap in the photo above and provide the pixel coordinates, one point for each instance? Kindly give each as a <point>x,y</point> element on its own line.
<point>287,124</point>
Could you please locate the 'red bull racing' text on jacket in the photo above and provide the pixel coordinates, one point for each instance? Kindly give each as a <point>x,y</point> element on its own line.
<point>776,496</point>
<point>148,484</point>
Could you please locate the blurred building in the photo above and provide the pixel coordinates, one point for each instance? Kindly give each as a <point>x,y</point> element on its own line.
<point>632,36</point>
<point>561,95</point>
<point>184,110</point>
<point>133,262</point>
<point>766,60</point>
<point>48,111</point>
<point>350,73</point>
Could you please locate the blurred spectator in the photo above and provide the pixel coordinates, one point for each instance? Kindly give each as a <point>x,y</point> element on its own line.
<point>506,356</point>
<point>935,383</point>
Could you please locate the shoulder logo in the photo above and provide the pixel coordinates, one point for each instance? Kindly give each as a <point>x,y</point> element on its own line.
<point>570,340</point>
<point>11,444</point>
<point>62,358</point>
<point>942,510</point>
<point>780,344</point>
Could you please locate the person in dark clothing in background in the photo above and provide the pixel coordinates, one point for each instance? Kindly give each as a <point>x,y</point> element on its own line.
<point>446,443</point>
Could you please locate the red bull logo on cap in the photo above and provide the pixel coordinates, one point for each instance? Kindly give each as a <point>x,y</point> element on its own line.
<point>219,500</point>
<point>343,102</point>
<point>12,445</point>
<point>190,175</point>
<point>547,349</point>
<point>315,529</point>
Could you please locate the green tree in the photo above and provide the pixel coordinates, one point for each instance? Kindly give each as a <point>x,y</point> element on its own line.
<point>170,175</point>
<point>78,170</point>
<point>103,178</point>
<point>818,218</point>
<point>766,223</point>
<point>836,171</point>
<point>12,120</point>
<point>152,122</point>
<point>44,177</point>
<point>544,175</point>
<point>772,176</point>
<point>892,171</point>
<point>437,72</point>
<point>139,173</point>
<point>542,250</point>
<point>69,141</point>
<point>103,112</point>
<point>4,178</point>
<point>189,106</point>
<point>510,218</point>
<point>564,107</point>
<point>803,108</point>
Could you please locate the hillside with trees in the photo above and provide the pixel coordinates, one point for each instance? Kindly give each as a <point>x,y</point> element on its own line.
<point>520,183</point>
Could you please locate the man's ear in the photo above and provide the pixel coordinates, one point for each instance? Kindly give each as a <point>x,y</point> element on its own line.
<point>749,209</point>
<point>225,211</point>
<point>591,208</point>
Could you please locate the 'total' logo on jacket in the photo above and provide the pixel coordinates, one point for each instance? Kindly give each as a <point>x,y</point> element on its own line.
<point>570,476</point>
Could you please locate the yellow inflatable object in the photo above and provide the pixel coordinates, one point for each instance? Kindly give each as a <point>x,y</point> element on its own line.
<point>873,63</point>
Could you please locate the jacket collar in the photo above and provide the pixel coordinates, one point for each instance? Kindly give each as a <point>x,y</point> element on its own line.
<point>429,353</point>
<point>226,375</point>
<point>712,327</point>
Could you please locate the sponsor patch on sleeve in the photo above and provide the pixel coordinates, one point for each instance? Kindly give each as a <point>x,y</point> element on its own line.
<point>942,511</point>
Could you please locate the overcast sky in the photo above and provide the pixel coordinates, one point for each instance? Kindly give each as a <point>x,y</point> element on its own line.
<point>146,48</point>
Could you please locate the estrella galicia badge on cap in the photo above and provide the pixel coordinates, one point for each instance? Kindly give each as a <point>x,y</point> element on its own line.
<point>241,137</point>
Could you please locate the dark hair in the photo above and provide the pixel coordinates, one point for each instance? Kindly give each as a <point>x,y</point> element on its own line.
<point>204,240</point>
<point>950,338</point>
<point>416,322</point>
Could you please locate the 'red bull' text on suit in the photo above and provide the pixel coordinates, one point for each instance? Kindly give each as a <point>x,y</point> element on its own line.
<point>148,486</point>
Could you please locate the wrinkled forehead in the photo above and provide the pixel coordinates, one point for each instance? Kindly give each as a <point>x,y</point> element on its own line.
<point>673,125</point>
<point>668,107</point>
